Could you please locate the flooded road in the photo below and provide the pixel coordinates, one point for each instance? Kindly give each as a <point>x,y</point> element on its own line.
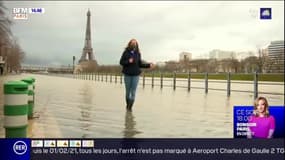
<point>75,108</point>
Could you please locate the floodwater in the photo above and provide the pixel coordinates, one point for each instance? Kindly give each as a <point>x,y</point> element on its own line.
<point>76,108</point>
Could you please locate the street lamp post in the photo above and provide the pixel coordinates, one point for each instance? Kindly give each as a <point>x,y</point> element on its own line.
<point>73,62</point>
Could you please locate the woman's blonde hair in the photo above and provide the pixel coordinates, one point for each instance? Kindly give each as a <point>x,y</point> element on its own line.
<point>255,112</point>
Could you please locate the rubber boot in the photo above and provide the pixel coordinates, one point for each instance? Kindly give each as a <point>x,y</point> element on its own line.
<point>128,104</point>
<point>131,103</point>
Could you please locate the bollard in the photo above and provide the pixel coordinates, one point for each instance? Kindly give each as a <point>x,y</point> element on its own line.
<point>189,81</point>
<point>229,84</point>
<point>34,88</point>
<point>116,78</point>
<point>31,103</point>
<point>111,77</point>
<point>121,78</point>
<point>152,80</point>
<point>161,80</point>
<point>255,85</point>
<point>15,109</point>
<point>174,80</point>
<point>34,80</point>
<point>106,80</point>
<point>206,82</point>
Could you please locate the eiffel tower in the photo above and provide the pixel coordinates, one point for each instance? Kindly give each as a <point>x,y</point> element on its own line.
<point>87,62</point>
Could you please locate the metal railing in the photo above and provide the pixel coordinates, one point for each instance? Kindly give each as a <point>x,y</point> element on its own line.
<point>161,81</point>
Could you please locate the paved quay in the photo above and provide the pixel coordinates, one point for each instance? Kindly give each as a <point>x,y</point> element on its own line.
<point>75,108</point>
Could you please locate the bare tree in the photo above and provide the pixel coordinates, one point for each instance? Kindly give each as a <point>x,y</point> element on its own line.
<point>250,64</point>
<point>15,57</point>
<point>171,66</point>
<point>10,49</point>
<point>109,68</point>
<point>262,60</point>
<point>234,63</point>
<point>225,64</point>
<point>5,24</point>
<point>200,65</point>
<point>213,65</point>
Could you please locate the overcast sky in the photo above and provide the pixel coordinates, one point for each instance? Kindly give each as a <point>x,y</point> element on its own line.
<point>163,29</point>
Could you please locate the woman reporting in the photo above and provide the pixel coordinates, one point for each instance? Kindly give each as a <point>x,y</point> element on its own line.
<point>131,62</point>
<point>261,123</point>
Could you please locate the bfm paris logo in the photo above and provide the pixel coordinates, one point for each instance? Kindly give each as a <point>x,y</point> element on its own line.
<point>22,13</point>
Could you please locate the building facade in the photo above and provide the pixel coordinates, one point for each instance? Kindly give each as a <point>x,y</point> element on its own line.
<point>185,56</point>
<point>276,57</point>
<point>220,54</point>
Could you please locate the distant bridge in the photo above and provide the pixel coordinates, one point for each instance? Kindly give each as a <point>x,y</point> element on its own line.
<point>46,69</point>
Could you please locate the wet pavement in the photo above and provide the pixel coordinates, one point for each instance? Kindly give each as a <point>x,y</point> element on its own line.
<point>75,108</point>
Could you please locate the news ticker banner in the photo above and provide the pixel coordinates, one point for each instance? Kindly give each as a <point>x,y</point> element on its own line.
<point>150,149</point>
<point>243,113</point>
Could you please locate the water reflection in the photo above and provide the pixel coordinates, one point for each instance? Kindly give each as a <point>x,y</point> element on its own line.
<point>227,103</point>
<point>85,110</point>
<point>205,102</point>
<point>130,126</point>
